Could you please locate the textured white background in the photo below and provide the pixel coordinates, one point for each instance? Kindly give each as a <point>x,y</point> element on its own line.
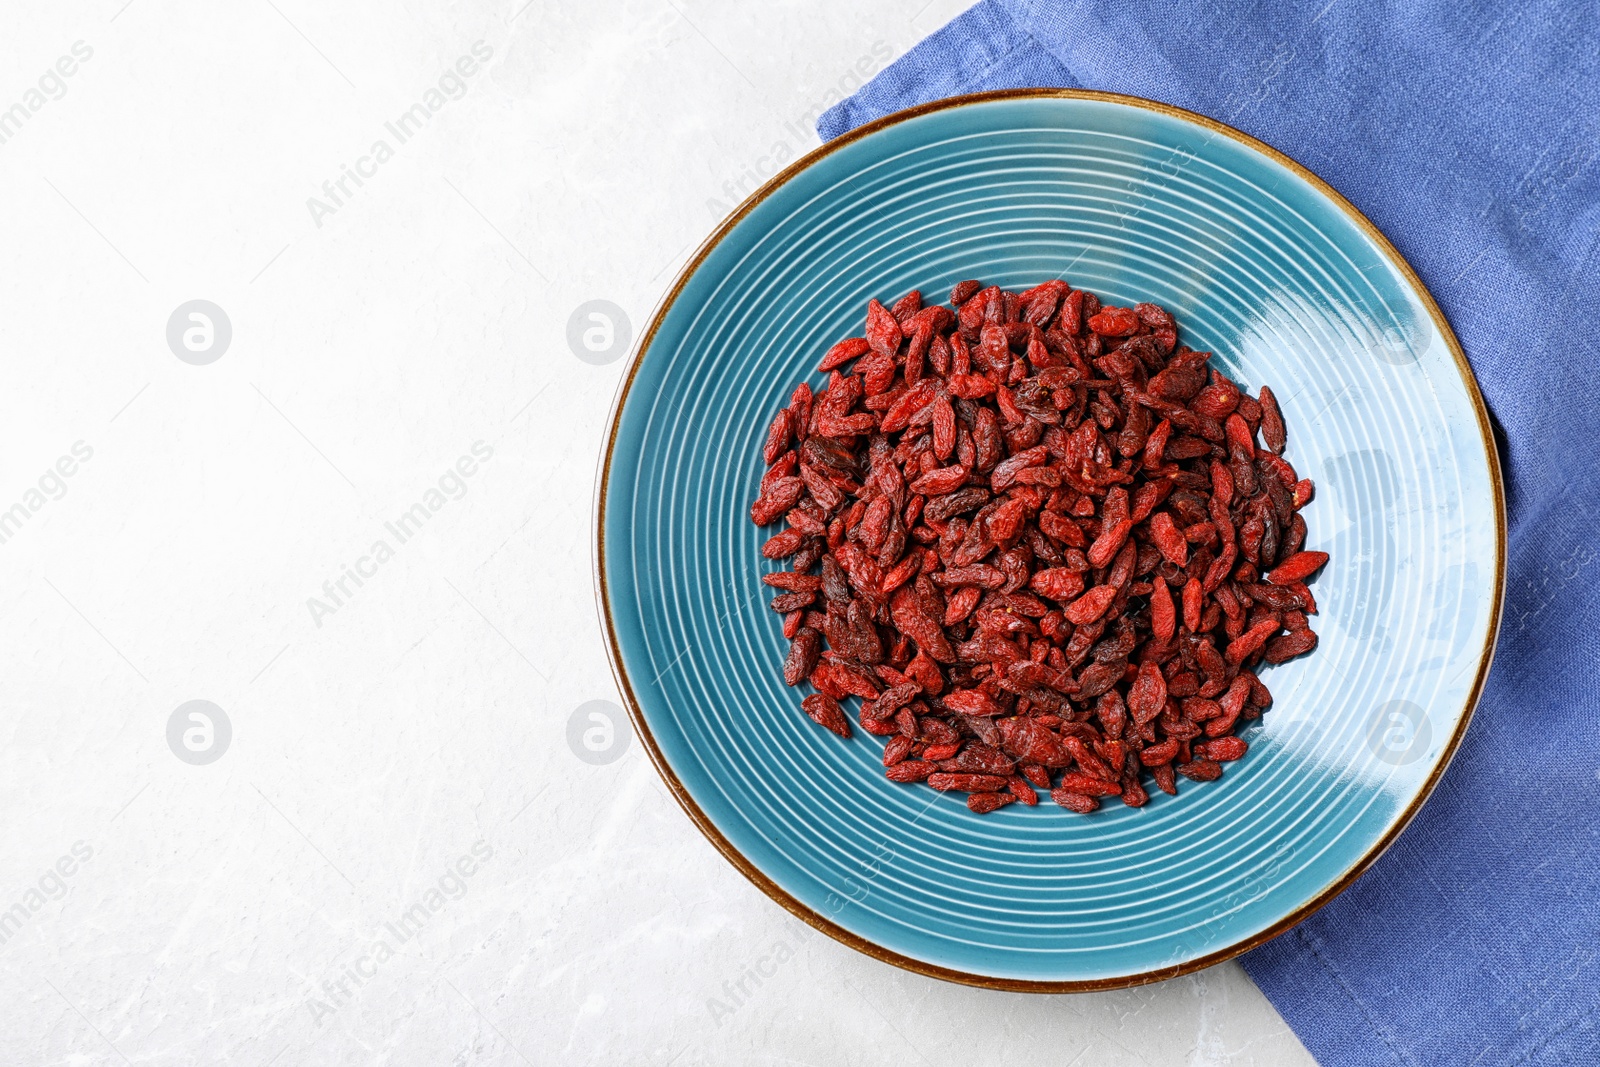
<point>429,713</point>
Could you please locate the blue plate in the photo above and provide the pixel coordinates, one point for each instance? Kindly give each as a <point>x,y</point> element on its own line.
<point>1263,264</point>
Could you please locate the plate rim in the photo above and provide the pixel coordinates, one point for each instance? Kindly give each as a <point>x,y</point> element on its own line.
<point>820,922</point>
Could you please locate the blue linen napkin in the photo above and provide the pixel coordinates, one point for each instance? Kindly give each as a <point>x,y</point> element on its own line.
<point>1470,134</point>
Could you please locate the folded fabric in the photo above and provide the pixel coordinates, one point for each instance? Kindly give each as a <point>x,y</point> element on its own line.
<point>1470,136</point>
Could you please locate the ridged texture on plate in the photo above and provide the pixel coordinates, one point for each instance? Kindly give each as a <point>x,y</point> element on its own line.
<point>1259,267</point>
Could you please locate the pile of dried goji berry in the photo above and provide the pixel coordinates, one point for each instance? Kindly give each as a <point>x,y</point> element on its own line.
<point>1036,536</point>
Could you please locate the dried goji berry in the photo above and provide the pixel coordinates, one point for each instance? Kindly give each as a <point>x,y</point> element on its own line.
<point>967,783</point>
<point>1202,770</point>
<point>1297,568</point>
<point>1193,604</point>
<point>910,771</point>
<point>1020,789</point>
<point>1091,605</point>
<point>825,712</point>
<point>1057,583</point>
<point>1290,645</point>
<point>1078,802</point>
<point>1114,322</point>
<point>1223,749</point>
<point>1169,539</point>
<point>804,651</point>
<point>1038,519</point>
<point>1163,618</point>
<point>1272,431</point>
<point>1075,782</point>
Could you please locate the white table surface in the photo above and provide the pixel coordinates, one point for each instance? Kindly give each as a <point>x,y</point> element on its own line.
<point>247,911</point>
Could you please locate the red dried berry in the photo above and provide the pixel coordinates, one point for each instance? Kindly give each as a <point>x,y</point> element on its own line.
<point>897,750</point>
<point>1169,539</point>
<point>1114,322</point>
<point>1020,789</point>
<point>1297,568</point>
<point>1193,605</point>
<point>1223,749</point>
<point>1202,770</point>
<point>1078,802</point>
<point>967,783</point>
<point>1042,526</point>
<point>804,651</point>
<point>910,771</point>
<point>964,291</point>
<point>1091,605</point>
<point>1291,645</point>
<point>1075,782</point>
<point>1163,616</point>
<point>782,544</point>
<point>1272,431</point>
<point>825,712</point>
<point>843,352</point>
<point>1057,583</point>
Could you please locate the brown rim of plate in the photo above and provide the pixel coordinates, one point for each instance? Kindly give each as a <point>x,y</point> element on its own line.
<point>855,941</point>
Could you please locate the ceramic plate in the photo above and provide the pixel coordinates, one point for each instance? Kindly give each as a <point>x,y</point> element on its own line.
<point>1262,264</point>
